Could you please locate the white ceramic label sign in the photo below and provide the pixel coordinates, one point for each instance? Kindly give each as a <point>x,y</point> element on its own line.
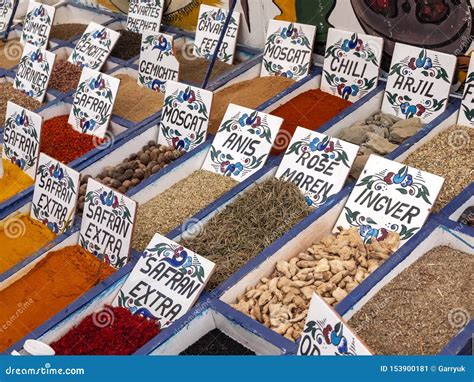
<point>55,195</point>
<point>317,164</point>
<point>466,114</point>
<point>158,62</point>
<point>185,116</point>
<point>288,49</point>
<point>21,138</point>
<point>242,143</point>
<point>326,333</point>
<point>209,28</point>
<point>34,71</point>
<point>6,10</point>
<point>107,224</point>
<point>418,83</point>
<point>166,281</point>
<point>94,46</point>
<point>390,196</point>
<point>351,64</point>
<point>93,102</point>
<point>144,15</point>
<point>37,24</point>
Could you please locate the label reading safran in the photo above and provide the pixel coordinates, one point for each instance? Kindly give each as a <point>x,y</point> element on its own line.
<point>37,24</point>
<point>107,224</point>
<point>318,164</point>
<point>166,281</point>
<point>6,11</point>
<point>351,64</point>
<point>158,62</point>
<point>185,116</point>
<point>288,49</point>
<point>209,28</point>
<point>242,143</point>
<point>389,196</point>
<point>34,71</point>
<point>55,195</point>
<point>94,47</point>
<point>326,333</point>
<point>418,83</point>
<point>21,138</point>
<point>466,114</point>
<point>93,102</point>
<point>144,15</point>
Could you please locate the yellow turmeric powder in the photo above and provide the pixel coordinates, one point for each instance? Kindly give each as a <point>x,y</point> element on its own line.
<point>14,180</point>
<point>20,237</point>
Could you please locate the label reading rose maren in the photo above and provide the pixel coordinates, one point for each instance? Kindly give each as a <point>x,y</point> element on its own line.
<point>55,195</point>
<point>21,138</point>
<point>185,116</point>
<point>93,102</point>
<point>351,64</point>
<point>6,11</point>
<point>37,24</point>
<point>94,46</point>
<point>144,15</point>
<point>288,49</point>
<point>107,224</point>
<point>466,114</point>
<point>418,83</point>
<point>166,281</point>
<point>34,71</point>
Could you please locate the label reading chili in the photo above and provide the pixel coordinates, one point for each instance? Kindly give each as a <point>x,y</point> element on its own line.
<point>6,11</point>
<point>466,114</point>
<point>37,24</point>
<point>144,15</point>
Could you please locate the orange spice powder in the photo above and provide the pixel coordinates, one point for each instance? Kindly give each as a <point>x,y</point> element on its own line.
<point>13,181</point>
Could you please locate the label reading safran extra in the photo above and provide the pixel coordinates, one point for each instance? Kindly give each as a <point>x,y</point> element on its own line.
<point>166,281</point>
<point>94,46</point>
<point>209,28</point>
<point>6,11</point>
<point>288,49</point>
<point>21,138</point>
<point>466,114</point>
<point>158,62</point>
<point>351,64</point>
<point>185,116</point>
<point>107,224</point>
<point>418,83</point>
<point>55,195</point>
<point>390,196</point>
<point>326,333</point>
<point>93,102</point>
<point>34,71</point>
<point>318,164</point>
<point>37,24</point>
<point>242,143</point>
<point>144,15</point>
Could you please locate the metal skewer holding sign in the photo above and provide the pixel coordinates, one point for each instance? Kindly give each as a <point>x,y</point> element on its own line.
<point>466,114</point>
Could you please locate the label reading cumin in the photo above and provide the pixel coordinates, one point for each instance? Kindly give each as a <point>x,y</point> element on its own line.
<point>37,24</point>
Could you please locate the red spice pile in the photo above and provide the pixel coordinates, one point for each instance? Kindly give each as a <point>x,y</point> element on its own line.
<point>60,141</point>
<point>112,331</point>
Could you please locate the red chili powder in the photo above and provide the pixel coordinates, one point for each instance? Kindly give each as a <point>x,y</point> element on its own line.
<point>111,331</point>
<point>310,110</point>
<point>60,141</point>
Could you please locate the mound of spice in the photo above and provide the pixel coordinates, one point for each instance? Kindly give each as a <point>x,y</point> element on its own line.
<point>449,155</point>
<point>65,76</point>
<point>178,203</point>
<point>134,102</point>
<point>248,225</point>
<point>13,232</point>
<point>416,313</point>
<point>216,342</point>
<point>133,170</point>
<point>119,333</point>
<point>250,93</point>
<point>379,134</point>
<point>467,217</point>
<point>331,268</point>
<point>67,31</point>
<point>8,93</point>
<point>128,45</point>
<point>10,53</point>
<point>13,181</point>
<point>60,141</point>
<point>193,69</point>
<point>310,109</point>
<point>57,280</point>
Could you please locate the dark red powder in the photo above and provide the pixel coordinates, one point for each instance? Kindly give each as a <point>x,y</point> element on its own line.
<point>112,331</point>
<point>310,110</point>
<point>60,141</point>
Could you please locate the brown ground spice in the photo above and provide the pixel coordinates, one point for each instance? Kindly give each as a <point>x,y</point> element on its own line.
<point>8,93</point>
<point>128,45</point>
<point>10,53</point>
<point>67,31</point>
<point>421,309</point>
<point>194,70</point>
<point>65,76</point>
